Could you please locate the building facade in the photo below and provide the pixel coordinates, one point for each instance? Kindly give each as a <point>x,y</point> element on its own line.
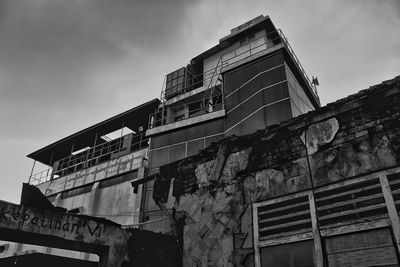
<point>90,172</point>
<point>322,189</point>
<point>250,80</point>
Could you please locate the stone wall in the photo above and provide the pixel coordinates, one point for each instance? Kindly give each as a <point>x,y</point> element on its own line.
<point>214,190</point>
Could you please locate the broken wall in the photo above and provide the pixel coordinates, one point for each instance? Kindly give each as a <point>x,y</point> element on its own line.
<point>214,190</point>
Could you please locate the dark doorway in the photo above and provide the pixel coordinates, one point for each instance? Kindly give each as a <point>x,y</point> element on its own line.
<point>40,259</point>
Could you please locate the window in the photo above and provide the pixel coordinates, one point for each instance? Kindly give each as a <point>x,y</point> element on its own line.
<point>283,233</point>
<point>298,254</point>
<point>247,39</point>
<point>175,83</point>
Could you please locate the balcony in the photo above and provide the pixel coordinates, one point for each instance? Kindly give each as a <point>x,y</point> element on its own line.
<point>93,157</point>
<point>176,116</point>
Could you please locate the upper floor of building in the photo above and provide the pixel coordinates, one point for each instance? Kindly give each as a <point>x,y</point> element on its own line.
<point>112,147</point>
<point>198,91</point>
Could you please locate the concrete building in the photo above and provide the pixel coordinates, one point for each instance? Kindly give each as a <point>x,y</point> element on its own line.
<point>89,172</point>
<point>229,166</point>
<point>37,221</point>
<point>322,189</point>
<point>250,80</point>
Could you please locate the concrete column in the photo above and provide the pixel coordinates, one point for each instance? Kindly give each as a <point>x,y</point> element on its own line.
<point>391,207</point>
<point>17,248</point>
<point>138,198</point>
<point>257,261</point>
<point>93,199</point>
<point>315,229</point>
<point>91,208</point>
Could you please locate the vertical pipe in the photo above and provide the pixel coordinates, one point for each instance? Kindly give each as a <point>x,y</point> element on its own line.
<point>51,166</point>
<point>51,160</point>
<point>69,158</point>
<point>120,146</point>
<point>391,207</point>
<point>120,139</point>
<point>140,140</point>
<point>93,149</point>
<point>33,167</point>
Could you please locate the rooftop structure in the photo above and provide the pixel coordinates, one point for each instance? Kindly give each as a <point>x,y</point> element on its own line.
<point>250,80</point>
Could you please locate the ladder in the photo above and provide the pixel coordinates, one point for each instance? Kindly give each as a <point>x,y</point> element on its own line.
<point>209,92</point>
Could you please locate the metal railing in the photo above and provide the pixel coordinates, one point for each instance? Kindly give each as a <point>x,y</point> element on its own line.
<point>92,156</point>
<point>254,47</point>
<point>210,102</point>
<point>310,84</point>
<point>40,177</point>
<point>186,111</point>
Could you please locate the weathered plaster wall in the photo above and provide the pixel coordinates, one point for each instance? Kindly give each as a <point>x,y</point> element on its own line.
<point>351,137</point>
<point>116,246</point>
<point>96,173</point>
<point>62,230</point>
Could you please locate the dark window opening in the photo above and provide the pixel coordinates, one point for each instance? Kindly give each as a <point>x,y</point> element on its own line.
<point>299,254</point>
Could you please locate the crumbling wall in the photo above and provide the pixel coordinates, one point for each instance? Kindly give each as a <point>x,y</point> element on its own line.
<point>351,137</point>
<point>217,216</point>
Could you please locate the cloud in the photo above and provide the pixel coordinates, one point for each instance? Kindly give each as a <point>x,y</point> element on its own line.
<point>62,58</point>
<point>65,65</point>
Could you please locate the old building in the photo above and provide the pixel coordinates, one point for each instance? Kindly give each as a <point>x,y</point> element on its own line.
<point>179,158</point>
<point>249,80</point>
<point>322,189</point>
<point>37,221</point>
<point>89,172</point>
<point>237,162</point>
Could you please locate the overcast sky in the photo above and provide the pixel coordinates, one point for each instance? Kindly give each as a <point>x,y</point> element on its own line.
<point>67,64</point>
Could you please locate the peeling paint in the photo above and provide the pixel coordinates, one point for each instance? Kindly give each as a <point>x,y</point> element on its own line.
<point>234,163</point>
<point>319,134</point>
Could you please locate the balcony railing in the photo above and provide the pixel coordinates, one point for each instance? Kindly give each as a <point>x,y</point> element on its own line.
<point>186,111</point>
<point>40,177</point>
<point>92,156</point>
<point>310,84</point>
